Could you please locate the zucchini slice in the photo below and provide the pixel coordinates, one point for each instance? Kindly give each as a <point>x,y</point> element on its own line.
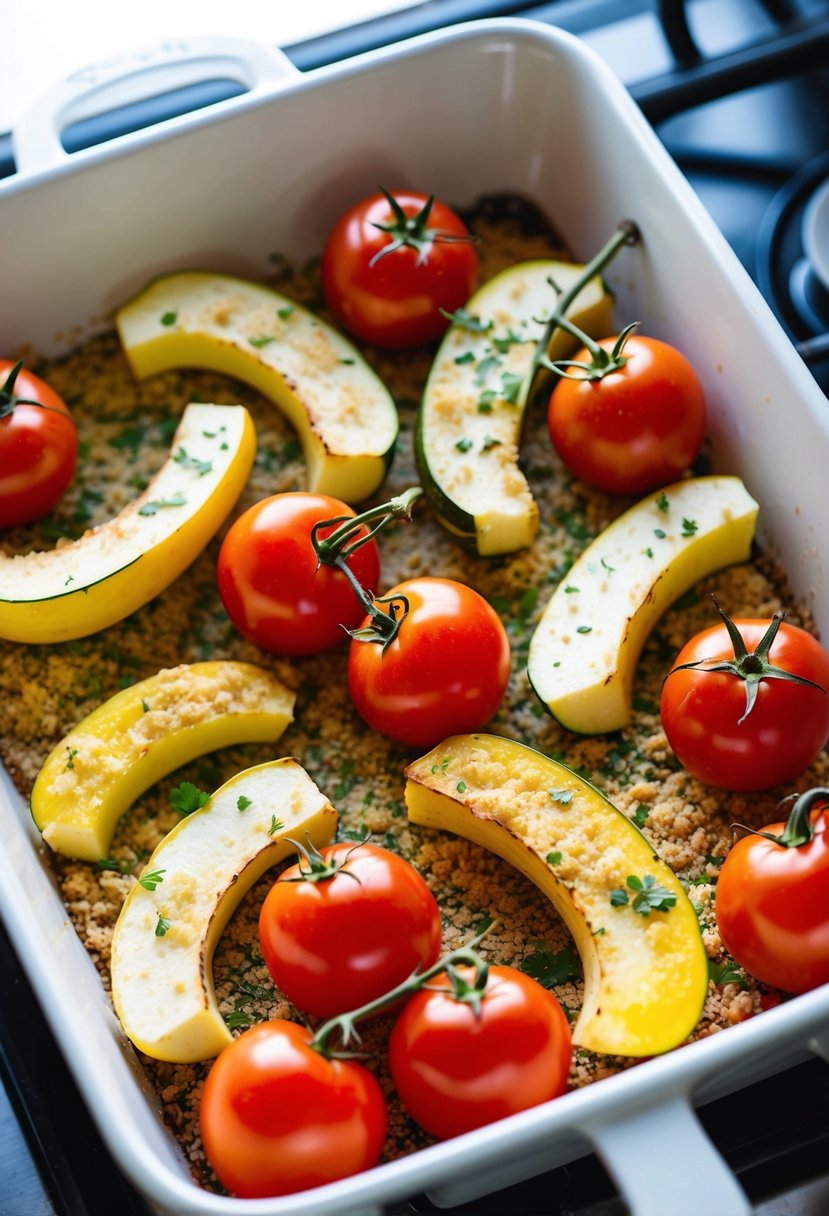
<point>470,419</point>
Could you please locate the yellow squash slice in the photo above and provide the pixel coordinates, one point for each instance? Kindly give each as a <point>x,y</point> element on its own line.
<point>345,418</point>
<point>645,975</point>
<point>162,948</point>
<point>584,650</point>
<point>138,736</point>
<point>116,568</point>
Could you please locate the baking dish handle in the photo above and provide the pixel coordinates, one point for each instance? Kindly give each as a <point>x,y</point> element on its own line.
<point>137,76</point>
<point>662,1161</point>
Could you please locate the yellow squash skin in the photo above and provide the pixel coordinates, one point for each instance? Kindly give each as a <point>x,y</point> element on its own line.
<point>162,982</point>
<point>645,977</point>
<point>138,736</point>
<point>114,569</point>
<point>344,416</point>
<point>584,650</point>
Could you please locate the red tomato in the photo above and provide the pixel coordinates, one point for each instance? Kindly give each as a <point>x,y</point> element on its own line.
<point>386,277</point>
<point>634,429</point>
<point>278,1117</point>
<point>772,906</point>
<point>444,673</point>
<point>455,1069</point>
<point>704,711</point>
<point>38,448</point>
<point>349,933</point>
<point>271,584</point>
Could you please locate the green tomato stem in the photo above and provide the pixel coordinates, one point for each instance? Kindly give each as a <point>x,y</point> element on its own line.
<point>799,830</point>
<point>627,233</point>
<point>460,990</point>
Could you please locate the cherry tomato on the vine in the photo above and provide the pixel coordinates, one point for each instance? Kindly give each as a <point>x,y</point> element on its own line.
<point>772,903</point>
<point>38,447</point>
<point>392,262</point>
<point>635,428</point>
<point>456,1068</point>
<point>272,586</point>
<point>734,726</point>
<point>444,673</point>
<point>277,1116</point>
<point>345,926</point>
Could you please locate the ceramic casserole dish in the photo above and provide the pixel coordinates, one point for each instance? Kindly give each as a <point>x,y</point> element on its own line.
<point>513,107</point>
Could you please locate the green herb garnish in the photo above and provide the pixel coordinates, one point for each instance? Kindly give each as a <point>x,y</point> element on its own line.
<point>242,803</point>
<point>150,881</point>
<point>187,798</point>
<point>650,896</point>
<point>158,504</point>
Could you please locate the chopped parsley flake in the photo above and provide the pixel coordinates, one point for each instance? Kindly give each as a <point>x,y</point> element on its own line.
<point>69,580</point>
<point>467,320</point>
<point>463,445</point>
<point>663,501</point>
<point>648,552</point>
<point>261,341</point>
<point>550,969</point>
<point>490,443</point>
<point>485,367</point>
<point>485,401</point>
<point>192,462</point>
<point>187,798</point>
<point>238,1020</point>
<point>461,787</point>
<point>466,357</point>
<point>150,881</point>
<point>169,318</point>
<point>287,311</point>
<point>562,796</point>
<point>276,825</point>
<point>158,504</point>
<point>569,589</point>
<point>162,925</point>
<point>70,759</point>
<point>553,859</point>
<point>584,629</point>
<point>660,533</point>
<point>610,569</point>
<point>640,815</point>
<point>650,896</point>
<point>511,386</point>
<point>145,705</point>
<point>689,527</point>
<point>242,803</point>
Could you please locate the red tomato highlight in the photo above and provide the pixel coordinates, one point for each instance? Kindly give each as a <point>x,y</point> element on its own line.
<point>272,586</point>
<point>704,712</point>
<point>444,673</point>
<point>394,298</point>
<point>332,944</point>
<point>455,1070</point>
<point>634,429</point>
<point>279,1117</point>
<point>38,448</point>
<point>772,906</point>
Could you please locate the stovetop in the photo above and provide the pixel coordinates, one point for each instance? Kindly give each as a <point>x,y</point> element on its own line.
<point>738,90</point>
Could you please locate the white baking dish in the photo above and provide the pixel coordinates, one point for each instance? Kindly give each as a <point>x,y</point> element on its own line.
<point>496,106</point>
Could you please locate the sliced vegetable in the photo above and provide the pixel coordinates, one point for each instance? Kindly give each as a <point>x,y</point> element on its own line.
<point>344,416</point>
<point>162,948</point>
<point>583,653</point>
<point>470,419</point>
<point>135,738</point>
<point>645,970</point>
<point>89,584</point>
